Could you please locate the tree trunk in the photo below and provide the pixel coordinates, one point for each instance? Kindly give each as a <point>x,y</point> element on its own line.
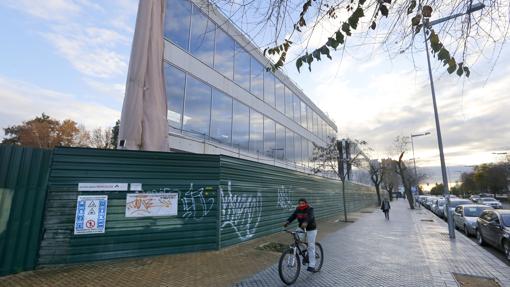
<point>378,194</point>
<point>409,196</point>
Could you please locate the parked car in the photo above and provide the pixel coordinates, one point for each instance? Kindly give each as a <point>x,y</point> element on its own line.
<point>454,202</point>
<point>465,217</point>
<point>490,201</point>
<point>439,207</point>
<point>428,202</point>
<point>474,198</point>
<point>494,229</point>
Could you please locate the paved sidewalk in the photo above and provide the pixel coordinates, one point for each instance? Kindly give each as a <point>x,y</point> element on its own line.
<point>212,268</point>
<point>412,249</point>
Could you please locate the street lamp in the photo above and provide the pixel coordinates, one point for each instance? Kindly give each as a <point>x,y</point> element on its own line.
<point>428,24</point>
<point>414,158</point>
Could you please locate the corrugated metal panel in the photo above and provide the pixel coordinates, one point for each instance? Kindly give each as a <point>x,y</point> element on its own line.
<point>194,177</point>
<point>23,178</point>
<point>257,198</point>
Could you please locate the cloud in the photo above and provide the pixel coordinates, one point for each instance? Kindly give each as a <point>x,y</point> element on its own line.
<point>50,10</point>
<point>26,101</point>
<point>114,91</point>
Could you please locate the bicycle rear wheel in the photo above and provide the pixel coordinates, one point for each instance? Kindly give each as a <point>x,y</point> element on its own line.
<point>319,256</point>
<point>289,266</point>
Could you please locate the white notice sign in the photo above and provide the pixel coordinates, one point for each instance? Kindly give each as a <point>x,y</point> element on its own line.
<point>91,186</point>
<point>151,204</point>
<point>135,187</point>
<point>90,214</point>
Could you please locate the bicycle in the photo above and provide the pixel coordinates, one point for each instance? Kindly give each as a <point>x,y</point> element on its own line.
<point>289,265</point>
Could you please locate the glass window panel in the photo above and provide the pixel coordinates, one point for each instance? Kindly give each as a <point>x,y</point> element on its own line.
<point>242,67</point>
<point>197,107</point>
<point>280,142</point>
<point>175,81</point>
<point>303,114</point>
<point>310,154</point>
<point>221,117</point>
<point>297,109</point>
<point>224,54</point>
<point>257,79</point>
<point>309,118</point>
<point>304,152</point>
<point>202,37</point>
<point>256,132</point>
<point>297,148</point>
<point>315,124</point>
<point>269,88</point>
<point>241,126</point>
<point>177,22</point>
<point>289,106</point>
<point>280,96</point>
<point>289,145</point>
<point>269,137</point>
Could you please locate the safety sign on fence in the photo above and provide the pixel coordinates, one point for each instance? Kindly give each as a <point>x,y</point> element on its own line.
<point>90,214</point>
<point>151,204</point>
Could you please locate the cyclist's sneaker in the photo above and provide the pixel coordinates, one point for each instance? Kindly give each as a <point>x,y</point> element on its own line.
<point>311,269</point>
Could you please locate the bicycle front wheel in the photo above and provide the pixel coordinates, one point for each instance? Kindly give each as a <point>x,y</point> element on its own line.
<point>289,266</point>
<point>319,256</point>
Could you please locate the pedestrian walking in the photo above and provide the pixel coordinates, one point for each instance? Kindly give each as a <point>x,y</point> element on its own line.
<point>385,207</point>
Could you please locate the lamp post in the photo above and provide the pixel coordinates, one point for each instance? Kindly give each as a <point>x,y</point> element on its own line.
<point>412,144</point>
<point>428,24</point>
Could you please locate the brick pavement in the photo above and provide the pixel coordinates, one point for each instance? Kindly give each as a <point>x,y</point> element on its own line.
<point>212,268</point>
<point>405,251</point>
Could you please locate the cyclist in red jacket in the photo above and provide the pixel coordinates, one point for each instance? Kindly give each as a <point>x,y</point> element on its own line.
<point>306,221</point>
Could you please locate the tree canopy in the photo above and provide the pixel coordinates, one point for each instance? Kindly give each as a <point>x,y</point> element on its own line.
<point>308,31</point>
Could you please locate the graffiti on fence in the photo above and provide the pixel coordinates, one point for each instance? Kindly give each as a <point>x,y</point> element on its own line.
<point>242,212</point>
<point>195,204</point>
<point>285,198</point>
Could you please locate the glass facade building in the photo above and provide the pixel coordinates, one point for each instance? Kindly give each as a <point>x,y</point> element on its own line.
<point>221,99</point>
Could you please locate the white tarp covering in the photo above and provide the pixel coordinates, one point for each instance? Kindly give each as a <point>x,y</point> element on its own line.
<point>143,124</point>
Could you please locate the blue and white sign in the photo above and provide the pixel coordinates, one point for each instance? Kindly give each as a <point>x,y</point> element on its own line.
<point>90,214</point>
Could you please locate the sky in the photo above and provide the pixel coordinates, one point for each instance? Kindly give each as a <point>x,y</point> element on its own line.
<point>69,59</point>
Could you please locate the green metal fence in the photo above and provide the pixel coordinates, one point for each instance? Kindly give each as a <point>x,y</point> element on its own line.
<point>221,201</point>
<point>23,178</point>
<point>193,177</point>
<point>257,198</point>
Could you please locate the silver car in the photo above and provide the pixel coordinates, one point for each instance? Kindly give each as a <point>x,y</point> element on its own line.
<point>439,207</point>
<point>494,203</point>
<point>465,216</point>
<point>454,202</point>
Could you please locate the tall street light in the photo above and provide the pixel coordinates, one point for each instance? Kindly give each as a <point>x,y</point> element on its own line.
<point>414,158</point>
<point>428,24</point>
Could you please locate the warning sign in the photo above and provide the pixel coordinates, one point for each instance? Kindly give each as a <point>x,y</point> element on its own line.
<point>90,214</point>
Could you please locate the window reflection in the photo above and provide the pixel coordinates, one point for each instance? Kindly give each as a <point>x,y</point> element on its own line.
<point>297,148</point>
<point>256,132</point>
<point>309,118</point>
<point>280,142</point>
<point>257,80</point>
<point>197,107</point>
<point>240,126</point>
<point>280,96</point>
<point>242,67</point>
<point>177,22</point>
<point>269,137</point>
<point>303,115</point>
<point>224,54</point>
<point>202,36</point>
<point>297,109</point>
<point>289,106</point>
<point>289,145</point>
<point>304,152</point>
<point>175,80</point>
<point>269,88</point>
<point>221,117</point>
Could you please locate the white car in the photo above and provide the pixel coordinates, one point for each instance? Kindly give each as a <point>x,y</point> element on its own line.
<point>494,203</point>
<point>465,216</point>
